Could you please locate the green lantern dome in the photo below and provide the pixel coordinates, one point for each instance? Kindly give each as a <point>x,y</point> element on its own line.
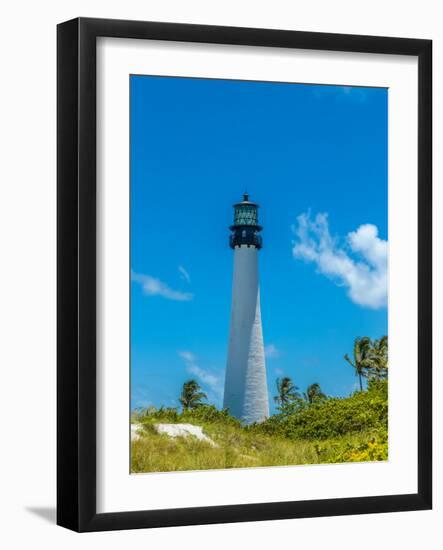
<point>245,228</point>
<point>245,212</point>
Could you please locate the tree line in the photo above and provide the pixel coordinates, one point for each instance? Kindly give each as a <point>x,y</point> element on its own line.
<point>369,360</point>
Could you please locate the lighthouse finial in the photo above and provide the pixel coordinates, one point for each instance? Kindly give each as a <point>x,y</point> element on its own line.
<point>246,195</point>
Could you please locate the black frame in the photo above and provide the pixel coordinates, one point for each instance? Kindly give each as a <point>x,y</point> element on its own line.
<point>76,273</point>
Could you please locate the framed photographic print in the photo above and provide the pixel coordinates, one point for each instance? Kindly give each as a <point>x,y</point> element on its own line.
<point>244,274</point>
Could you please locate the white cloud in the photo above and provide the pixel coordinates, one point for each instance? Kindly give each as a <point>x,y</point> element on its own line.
<point>187,356</point>
<point>360,264</point>
<point>155,287</point>
<point>184,274</point>
<point>271,352</point>
<point>207,377</point>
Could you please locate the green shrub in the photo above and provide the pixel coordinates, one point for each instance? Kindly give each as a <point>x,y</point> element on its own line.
<point>374,448</point>
<point>333,417</point>
<point>203,414</point>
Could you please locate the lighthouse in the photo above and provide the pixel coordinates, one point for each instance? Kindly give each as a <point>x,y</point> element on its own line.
<point>246,391</point>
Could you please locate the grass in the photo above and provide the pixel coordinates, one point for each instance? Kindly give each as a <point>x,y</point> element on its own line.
<point>240,448</point>
<point>351,429</point>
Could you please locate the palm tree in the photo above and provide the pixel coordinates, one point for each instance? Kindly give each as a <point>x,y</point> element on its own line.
<point>191,396</point>
<point>314,393</point>
<point>379,358</point>
<point>361,360</point>
<point>286,390</point>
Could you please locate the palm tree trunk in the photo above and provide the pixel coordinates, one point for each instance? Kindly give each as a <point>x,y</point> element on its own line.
<point>359,379</point>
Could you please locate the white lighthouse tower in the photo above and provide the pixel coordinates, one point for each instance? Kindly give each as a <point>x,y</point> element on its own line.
<point>246,391</point>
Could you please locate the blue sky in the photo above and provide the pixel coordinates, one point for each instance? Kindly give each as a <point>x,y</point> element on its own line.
<point>315,158</point>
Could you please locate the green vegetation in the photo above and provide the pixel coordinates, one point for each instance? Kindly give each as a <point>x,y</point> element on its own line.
<point>314,394</point>
<point>332,417</point>
<point>191,396</point>
<point>286,391</point>
<point>370,358</point>
<point>309,428</point>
